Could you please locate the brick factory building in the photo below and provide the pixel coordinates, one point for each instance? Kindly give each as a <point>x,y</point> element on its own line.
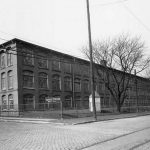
<point>31,74</point>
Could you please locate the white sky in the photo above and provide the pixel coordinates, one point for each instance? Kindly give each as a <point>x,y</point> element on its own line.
<point>62,24</point>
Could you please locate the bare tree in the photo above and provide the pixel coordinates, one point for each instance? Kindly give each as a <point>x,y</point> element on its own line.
<point>121,55</point>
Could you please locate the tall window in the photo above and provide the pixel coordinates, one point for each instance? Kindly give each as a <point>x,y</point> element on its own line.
<point>67,84</point>
<point>43,80</point>
<point>2,61</point>
<point>77,85</point>
<point>10,80</point>
<point>4,102</point>
<point>28,79</point>
<point>3,81</point>
<point>86,86</point>
<point>9,59</point>
<point>68,101</point>
<point>43,63</point>
<point>67,67</point>
<point>56,65</point>
<point>28,57</point>
<point>28,101</point>
<point>56,83</point>
<point>11,101</point>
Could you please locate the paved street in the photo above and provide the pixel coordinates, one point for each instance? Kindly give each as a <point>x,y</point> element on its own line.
<point>129,133</point>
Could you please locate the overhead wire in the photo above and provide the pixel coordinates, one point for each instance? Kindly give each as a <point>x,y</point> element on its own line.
<point>136,17</point>
<point>110,3</point>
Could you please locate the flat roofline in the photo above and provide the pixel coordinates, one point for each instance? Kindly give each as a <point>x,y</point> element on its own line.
<point>60,53</point>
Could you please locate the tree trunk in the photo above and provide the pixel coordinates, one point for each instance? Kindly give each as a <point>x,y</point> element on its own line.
<point>119,108</point>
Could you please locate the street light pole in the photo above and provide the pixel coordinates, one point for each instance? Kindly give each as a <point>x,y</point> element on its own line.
<point>91,61</point>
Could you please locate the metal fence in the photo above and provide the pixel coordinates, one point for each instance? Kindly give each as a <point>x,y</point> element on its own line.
<point>64,110</point>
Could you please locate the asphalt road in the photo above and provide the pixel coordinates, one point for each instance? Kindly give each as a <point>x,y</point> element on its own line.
<point>121,134</point>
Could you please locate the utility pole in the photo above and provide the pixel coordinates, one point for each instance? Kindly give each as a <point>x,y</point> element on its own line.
<point>91,61</point>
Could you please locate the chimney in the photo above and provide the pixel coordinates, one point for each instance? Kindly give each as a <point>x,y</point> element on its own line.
<point>103,63</point>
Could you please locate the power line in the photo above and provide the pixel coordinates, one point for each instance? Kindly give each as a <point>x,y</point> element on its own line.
<point>137,18</point>
<point>110,3</point>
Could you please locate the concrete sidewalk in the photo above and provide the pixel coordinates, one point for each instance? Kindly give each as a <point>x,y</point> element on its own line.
<point>74,121</point>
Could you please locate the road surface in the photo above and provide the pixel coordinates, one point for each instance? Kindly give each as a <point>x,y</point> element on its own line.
<point>120,134</point>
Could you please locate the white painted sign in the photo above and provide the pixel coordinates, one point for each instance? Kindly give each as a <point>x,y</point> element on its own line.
<point>97,102</point>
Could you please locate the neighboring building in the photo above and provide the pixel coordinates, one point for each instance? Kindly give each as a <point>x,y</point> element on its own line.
<point>31,74</point>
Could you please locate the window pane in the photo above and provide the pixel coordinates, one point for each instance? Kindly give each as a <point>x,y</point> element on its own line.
<point>67,84</point>
<point>2,62</point>
<point>77,85</point>
<point>11,101</point>
<point>4,102</point>
<point>28,79</point>
<point>10,80</point>
<point>67,67</point>
<point>28,102</point>
<point>9,59</point>
<point>56,83</point>
<point>43,80</point>
<point>3,81</point>
<point>86,86</point>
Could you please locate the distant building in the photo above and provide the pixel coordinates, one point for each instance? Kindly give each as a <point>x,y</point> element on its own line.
<point>31,74</point>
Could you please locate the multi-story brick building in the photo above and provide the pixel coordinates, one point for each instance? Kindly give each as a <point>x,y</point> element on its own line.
<point>31,74</point>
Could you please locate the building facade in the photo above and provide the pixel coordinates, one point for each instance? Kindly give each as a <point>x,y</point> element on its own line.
<point>30,75</point>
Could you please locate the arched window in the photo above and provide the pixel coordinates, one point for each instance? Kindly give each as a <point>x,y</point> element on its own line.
<point>77,85</point>
<point>86,102</point>
<point>11,101</point>
<point>42,102</point>
<point>2,61</point>
<point>28,101</point>
<point>68,101</point>
<point>78,101</point>
<point>28,79</point>
<point>4,102</point>
<point>56,83</point>
<point>10,80</point>
<point>3,81</point>
<point>9,59</point>
<point>86,86</point>
<point>43,80</point>
<point>67,84</point>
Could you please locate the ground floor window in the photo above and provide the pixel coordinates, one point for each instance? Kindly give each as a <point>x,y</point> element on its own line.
<point>68,101</point>
<point>78,101</point>
<point>11,101</point>
<point>28,100</point>
<point>85,102</point>
<point>4,102</point>
<point>42,102</point>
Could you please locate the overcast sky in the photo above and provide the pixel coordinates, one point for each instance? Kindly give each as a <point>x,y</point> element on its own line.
<point>62,24</point>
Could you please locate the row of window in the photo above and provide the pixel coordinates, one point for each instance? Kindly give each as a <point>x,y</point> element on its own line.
<point>9,76</point>
<point>7,104</point>
<point>29,98</point>
<point>6,59</point>
<point>28,59</point>
<point>28,82</point>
